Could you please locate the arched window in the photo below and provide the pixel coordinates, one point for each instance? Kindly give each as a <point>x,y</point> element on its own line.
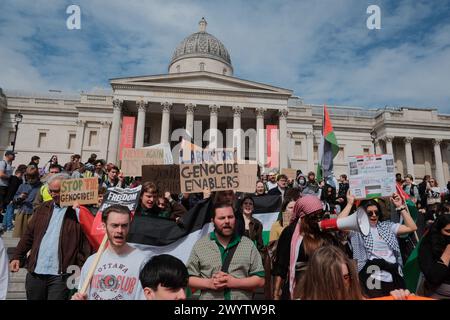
<point>202,66</point>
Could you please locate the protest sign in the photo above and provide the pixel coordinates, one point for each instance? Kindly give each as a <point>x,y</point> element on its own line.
<point>125,197</point>
<point>247,177</point>
<point>289,172</point>
<point>165,177</point>
<point>214,177</point>
<point>168,158</point>
<point>134,159</point>
<point>84,191</point>
<point>371,176</point>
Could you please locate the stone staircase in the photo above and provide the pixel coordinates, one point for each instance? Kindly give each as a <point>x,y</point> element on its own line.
<point>16,287</point>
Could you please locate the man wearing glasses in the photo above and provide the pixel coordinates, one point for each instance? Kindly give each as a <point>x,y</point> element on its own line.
<point>56,241</point>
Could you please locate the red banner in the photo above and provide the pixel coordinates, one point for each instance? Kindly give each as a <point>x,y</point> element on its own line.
<point>272,146</point>
<point>127,134</point>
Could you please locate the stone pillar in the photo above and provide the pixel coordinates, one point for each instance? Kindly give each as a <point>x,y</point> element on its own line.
<point>260,135</point>
<point>438,163</point>
<point>444,147</point>
<point>190,109</point>
<point>237,136</point>
<point>140,128</point>
<point>81,125</point>
<point>213,125</point>
<point>115,131</point>
<point>409,156</point>
<point>283,136</point>
<point>388,141</point>
<point>165,122</point>
<point>104,139</point>
<point>310,151</point>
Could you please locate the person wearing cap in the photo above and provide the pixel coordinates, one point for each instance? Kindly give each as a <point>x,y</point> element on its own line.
<point>6,171</point>
<point>34,161</point>
<point>296,245</point>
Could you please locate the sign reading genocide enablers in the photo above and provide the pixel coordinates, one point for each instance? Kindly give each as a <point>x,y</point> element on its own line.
<point>85,191</point>
<point>214,177</point>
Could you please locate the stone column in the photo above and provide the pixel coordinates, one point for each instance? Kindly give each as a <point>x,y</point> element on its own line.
<point>409,156</point>
<point>283,136</point>
<point>388,141</point>
<point>310,151</point>
<point>165,125</point>
<point>438,163</point>
<point>115,131</point>
<point>237,136</point>
<point>104,139</point>
<point>213,125</point>
<point>190,109</point>
<point>260,135</point>
<point>140,128</point>
<point>81,125</point>
<point>444,148</point>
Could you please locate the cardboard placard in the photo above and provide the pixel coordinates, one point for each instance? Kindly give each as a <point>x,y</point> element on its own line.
<point>214,177</point>
<point>247,177</point>
<point>134,159</point>
<point>125,197</point>
<point>165,177</point>
<point>289,172</point>
<point>371,176</point>
<point>85,191</point>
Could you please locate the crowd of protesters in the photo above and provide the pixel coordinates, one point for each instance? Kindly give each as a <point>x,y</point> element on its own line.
<point>300,260</point>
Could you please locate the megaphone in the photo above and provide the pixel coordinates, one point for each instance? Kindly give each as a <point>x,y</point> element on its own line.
<point>356,222</point>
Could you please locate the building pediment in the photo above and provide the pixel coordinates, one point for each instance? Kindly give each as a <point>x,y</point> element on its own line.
<point>198,81</point>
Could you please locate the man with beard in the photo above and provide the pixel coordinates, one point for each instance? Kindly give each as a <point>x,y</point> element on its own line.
<point>222,264</point>
<point>116,276</point>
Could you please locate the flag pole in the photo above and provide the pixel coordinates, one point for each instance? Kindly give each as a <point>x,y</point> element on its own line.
<point>98,255</point>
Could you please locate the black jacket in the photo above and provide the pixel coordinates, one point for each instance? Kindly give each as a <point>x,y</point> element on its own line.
<point>434,270</point>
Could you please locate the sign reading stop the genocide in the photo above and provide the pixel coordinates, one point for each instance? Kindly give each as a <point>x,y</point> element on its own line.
<point>84,191</point>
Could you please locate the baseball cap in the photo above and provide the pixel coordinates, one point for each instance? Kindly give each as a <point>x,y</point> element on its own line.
<point>10,153</point>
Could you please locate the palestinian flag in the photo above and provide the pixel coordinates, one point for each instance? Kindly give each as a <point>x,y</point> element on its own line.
<point>328,148</point>
<point>267,209</point>
<point>411,270</point>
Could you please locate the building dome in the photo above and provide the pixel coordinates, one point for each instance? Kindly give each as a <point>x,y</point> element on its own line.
<point>201,51</point>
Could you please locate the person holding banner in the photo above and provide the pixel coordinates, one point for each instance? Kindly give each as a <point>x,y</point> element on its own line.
<point>378,254</point>
<point>116,273</point>
<point>56,241</point>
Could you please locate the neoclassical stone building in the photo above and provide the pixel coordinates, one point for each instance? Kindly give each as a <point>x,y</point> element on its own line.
<point>200,93</point>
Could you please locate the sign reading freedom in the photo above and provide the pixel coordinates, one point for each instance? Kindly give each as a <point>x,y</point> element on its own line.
<point>85,191</point>
<point>165,177</point>
<point>214,177</point>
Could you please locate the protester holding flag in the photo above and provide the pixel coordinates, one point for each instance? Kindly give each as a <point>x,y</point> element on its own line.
<point>287,209</point>
<point>380,248</point>
<point>164,277</point>
<point>56,241</point>
<point>222,264</point>
<point>116,276</point>
<point>296,245</point>
<point>434,258</point>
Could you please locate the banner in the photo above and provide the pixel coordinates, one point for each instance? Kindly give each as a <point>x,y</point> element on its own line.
<point>371,176</point>
<point>127,134</point>
<point>290,173</point>
<point>272,146</point>
<point>247,178</point>
<point>168,158</point>
<point>214,177</point>
<point>84,191</point>
<point>134,159</point>
<point>165,177</point>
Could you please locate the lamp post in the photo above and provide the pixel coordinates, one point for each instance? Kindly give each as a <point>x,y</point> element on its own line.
<point>18,119</point>
<point>373,135</point>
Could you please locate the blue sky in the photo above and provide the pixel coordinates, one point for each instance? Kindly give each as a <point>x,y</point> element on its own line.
<point>320,49</point>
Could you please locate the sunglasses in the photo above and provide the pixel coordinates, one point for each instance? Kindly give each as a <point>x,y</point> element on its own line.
<point>54,191</point>
<point>372,213</point>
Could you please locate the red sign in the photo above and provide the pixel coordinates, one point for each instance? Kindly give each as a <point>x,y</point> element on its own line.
<point>127,134</point>
<point>272,146</point>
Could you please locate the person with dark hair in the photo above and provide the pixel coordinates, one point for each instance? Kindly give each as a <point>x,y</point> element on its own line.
<point>43,194</point>
<point>114,178</point>
<point>378,254</point>
<point>281,186</point>
<point>342,192</point>
<point>260,188</point>
<point>328,197</point>
<point>14,183</point>
<point>6,172</point>
<point>222,264</point>
<point>34,161</point>
<point>164,277</point>
<point>423,191</point>
<point>117,274</point>
<point>253,227</point>
<point>312,186</point>
<point>53,161</point>
<point>284,218</point>
<point>52,242</point>
<point>434,258</point>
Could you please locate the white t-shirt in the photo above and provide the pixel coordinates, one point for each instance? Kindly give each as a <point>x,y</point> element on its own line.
<point>271,185</point>
<point>116,277</point>
<point>381,250</point>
